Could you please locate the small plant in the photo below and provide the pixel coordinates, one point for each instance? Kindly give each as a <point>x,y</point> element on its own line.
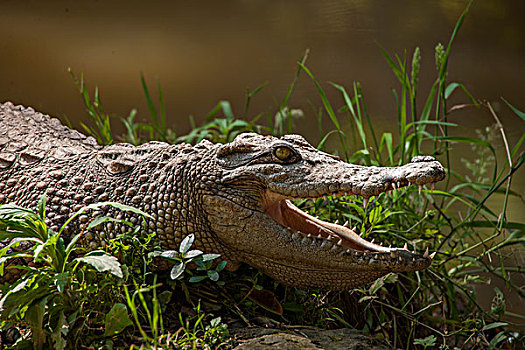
<point>102,130</point>
<point>185,256</point>
<point>426,342</point>
<point>194,333</point>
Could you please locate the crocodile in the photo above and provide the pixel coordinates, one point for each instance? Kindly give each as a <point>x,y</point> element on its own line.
<point>236,198</point>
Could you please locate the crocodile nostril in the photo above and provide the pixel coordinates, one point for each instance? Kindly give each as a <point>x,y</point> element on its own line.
<point>418,159</point>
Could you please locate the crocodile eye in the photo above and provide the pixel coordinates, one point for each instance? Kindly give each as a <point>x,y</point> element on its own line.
<point>283,153</point>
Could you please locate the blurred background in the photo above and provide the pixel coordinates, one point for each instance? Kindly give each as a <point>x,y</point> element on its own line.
<point>202,52</point>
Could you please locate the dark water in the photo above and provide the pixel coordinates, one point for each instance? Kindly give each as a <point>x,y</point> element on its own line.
<point>203,52</point>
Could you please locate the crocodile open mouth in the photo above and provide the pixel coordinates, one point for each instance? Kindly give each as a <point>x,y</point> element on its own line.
<point>311,228</point>
<point>288,215</point>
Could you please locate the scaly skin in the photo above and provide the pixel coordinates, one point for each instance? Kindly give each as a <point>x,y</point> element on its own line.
<point>235,198</point>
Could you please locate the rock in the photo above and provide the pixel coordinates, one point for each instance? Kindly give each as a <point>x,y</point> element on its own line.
<point>257,338</point>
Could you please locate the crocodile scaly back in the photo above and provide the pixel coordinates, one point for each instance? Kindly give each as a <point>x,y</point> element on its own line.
<point>28,136</point>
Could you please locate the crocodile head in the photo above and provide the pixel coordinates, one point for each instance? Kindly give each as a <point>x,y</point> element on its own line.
<point>251,213</point>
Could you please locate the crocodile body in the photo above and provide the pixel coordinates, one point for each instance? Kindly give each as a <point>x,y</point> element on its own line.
<point>235,198</point>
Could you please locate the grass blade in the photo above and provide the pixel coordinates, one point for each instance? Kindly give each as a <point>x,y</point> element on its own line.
<point>328,107</point>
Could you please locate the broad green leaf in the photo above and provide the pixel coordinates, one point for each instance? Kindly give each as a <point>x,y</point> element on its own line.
<point>167,254</point>
<point>221,266</point>
<point>117,319</point>
<point>208,257</point>
<point>450,89</point>
<point>196,279</point>
<point>186,243</point>
<point>103,263</point>
<point>192,254</point>
<point>213,275</point>
<point>177,270</point>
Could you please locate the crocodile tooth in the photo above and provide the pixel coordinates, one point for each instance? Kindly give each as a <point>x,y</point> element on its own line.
<point>346,224</point>
<point>400,259</point>
<point>393,185</point>
<point>420,188</point>
<point>329,238</point>
<point>354,228</point>
<point>334,247</point>
<point>371,261</point>
<point>405,247</point>
<point>399,184</point>
<point>309,235</point>
<point>340,242</point>
<point>413,259</point>
<point>372,241</point>
<point>393,255</point>
<point>425,255</point>
<point>319,236</point>
<point>336,222</point>
<point>431,256</point>
<point>325,242</point>
<point>390,246</point>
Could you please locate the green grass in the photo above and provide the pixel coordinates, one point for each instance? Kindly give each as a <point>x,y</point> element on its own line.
<point>434,308</point>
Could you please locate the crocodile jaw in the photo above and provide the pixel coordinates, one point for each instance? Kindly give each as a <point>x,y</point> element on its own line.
<point>340,242</point>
